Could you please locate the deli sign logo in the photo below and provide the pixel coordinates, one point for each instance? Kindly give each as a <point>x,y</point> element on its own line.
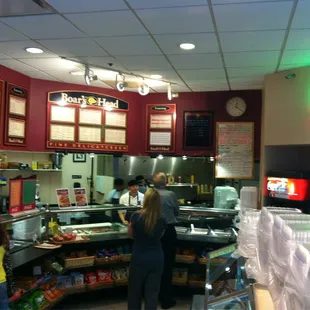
<point>87,98</point>
<point>17,90</point>
<point>161,108</point>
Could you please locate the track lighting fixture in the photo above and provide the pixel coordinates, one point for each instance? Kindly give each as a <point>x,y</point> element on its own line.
<point>170,93</point>
<point>89,76</point>
<point>143,89</point>
<point>120,82</point>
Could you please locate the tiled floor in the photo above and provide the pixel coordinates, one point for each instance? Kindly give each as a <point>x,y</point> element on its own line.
<point>109,300</point>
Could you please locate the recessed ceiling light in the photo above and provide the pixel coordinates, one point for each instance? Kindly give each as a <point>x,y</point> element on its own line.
<point>34,50</point>
<point>156,76</point>
<point>77,72</point>
<point>187,46</point>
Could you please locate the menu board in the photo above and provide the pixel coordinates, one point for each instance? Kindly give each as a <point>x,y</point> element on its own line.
<point>116,119</point>
<point>235,150</point>
<point>89,134</point>
<point>16,128</point>
<point>2,92</point>
<point>100,125</point>
<point>63,198</point>
<point>62,114</point>
<point>29,194</point>
<point>198,129</point>
<point>117,136</point>
<point>16,115</point>
<point>80,197</point>
<point>15,196</point>
<point>161,127</point>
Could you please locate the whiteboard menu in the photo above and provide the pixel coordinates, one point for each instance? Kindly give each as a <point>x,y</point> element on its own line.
<point>235,150</point>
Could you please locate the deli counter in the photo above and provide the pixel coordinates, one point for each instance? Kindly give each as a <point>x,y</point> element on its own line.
<point>81,249</point>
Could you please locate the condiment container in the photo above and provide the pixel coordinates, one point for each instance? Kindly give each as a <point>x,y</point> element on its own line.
<point>192,179</point>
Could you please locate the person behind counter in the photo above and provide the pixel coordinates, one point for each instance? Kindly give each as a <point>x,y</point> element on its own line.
<point>170,209</point>
<point>132,198</point>
<point>146,227</point>
<point>142,184</point>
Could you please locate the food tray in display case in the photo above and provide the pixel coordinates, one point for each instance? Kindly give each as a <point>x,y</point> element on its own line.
<point>95,229</point>
<point>86,121</point>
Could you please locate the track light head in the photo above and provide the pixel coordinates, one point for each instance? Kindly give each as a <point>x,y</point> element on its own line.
<point>144,89</point>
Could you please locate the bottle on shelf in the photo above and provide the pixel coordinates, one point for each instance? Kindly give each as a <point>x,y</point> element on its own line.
<point>179,179</point>
<point>192,179</point>
<point>4,163</point>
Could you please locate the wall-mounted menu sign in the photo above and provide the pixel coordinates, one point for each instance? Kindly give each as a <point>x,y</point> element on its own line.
<point>198,129</point>
<point>235,150</point>
<point>161,126</point>
<point>86,121</point>
<point>1,109</point>
<point>16,115</point>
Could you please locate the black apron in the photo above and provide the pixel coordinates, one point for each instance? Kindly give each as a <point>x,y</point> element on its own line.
<point>129,213</point>
<point>115,216</point>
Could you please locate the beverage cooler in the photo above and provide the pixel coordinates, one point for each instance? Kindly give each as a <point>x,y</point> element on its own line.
<point>288,189</point>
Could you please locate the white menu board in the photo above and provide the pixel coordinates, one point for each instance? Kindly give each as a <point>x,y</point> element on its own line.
<point>115,119</point>
<point>160,138</point>
<point>115,136</point>
<point>161,121</point>
<point>89,134</point>
<point>17,105</point>
<point>16,128</point>
<point>235,150</point>
<point>90,116</point>
<point>62,133</point>
<point>62,114</point>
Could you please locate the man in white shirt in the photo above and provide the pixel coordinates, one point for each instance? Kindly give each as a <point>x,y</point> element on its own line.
<point>132,198</point>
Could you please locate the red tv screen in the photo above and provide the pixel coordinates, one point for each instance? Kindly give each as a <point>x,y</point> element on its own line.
<point>286,188</point>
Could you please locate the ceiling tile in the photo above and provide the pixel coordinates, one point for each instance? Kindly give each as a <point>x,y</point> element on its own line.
<point>175,88</point>
<point>253,16</point>
<point>73,6</point>
<point>137,63</point>
<point>291,66</point>
<point>251,59</point>
<point>129,45</point>
<point>73,47</point>
<point>40,75</point>
<point>143,4</point>
<point>301,57</point>
<point>102,24</point>
<point>3,56</point>
<point>108,62</point>
<point>251,41</point>
<point>202,88</point>
<point>43,26</point>
<point>203,74</point>
<point>214,2</point>
<point>250,71</point>
<point>54,64</point>
<point>248,80</point>
<point>298,40</point>
<point>16,65</point>
<point>8,34</point>
<point>301,18</point>
<point>177,20</point>
<point>205,43</point>
<point>16,49</point>
<point>236,86</point>
<point>166,75</point>
<point>208,83</point>
<point>196,61</point>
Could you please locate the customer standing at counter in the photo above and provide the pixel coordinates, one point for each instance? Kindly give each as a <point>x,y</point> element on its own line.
<point>146,227</point>
<point>132,198</point>
<point>170,209</point>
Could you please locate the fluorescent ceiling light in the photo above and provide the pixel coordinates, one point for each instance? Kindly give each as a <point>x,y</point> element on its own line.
<point>77,72</point>
<point>156,76</point>
<point>187,46</point>
<point>34,50</point>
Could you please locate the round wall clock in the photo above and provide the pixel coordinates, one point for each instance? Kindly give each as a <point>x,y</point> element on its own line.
<point>235,106</point>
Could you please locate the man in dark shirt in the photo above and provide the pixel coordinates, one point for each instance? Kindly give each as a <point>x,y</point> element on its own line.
<point>170,209</point>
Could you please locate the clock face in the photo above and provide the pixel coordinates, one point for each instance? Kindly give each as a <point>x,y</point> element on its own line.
<point>236,106</point>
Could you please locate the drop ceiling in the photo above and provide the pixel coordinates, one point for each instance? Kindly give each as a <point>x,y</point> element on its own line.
<point>237,41</point>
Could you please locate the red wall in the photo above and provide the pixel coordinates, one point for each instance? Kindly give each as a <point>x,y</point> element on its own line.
<point>215,101</point>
